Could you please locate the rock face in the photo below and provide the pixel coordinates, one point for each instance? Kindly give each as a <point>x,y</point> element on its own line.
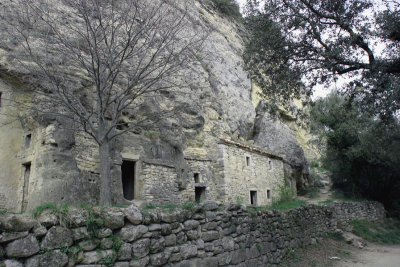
<point>209,235</point>
<point>218,102</point>
<point>274,135</point>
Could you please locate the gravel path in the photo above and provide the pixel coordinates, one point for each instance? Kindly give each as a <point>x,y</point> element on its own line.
<point>374,255</point>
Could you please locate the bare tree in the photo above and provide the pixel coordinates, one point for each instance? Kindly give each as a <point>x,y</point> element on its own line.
<point>92,60</point>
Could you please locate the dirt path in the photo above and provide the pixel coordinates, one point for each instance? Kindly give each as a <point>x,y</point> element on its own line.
<point>374,255</point>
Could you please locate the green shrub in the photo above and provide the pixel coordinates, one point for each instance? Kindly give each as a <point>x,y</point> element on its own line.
<point>229,8</point>
<point>286,194</point>
<point>40,209</point>
<point>386,232</point>
<point>291,204</point>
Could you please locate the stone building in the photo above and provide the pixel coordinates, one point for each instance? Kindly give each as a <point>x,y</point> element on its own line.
<point>186,158</point>
<point>47,163</point>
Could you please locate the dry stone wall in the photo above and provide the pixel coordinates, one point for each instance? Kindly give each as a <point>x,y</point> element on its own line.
<point>207,235</point>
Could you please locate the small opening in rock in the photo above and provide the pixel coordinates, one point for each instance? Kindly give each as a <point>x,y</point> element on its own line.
<point>268,194</point>
<point>128,179</point>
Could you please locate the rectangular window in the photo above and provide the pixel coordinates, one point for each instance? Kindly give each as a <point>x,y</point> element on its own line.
<point>268,194</point>
<point>247,161</point>
<point>196,177</point>
<point>200,193</point>
<point>128,169</point>
<point>28,138</point>
<point>27,174</point>
<point>253,198</point>
<point>270,164</point>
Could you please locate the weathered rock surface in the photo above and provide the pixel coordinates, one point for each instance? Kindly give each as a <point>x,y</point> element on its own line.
<point>131,233</point>
<point>57,237</point>
<point>133,214</point>
<point>273,135</point>
<point>14,223</point>
<point>200,238</point>
<point>22,248</point>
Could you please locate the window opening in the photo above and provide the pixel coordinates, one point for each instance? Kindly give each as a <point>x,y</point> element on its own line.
<point>27,173</point>
<point>28,139</point>
<point>270,164</point>
<point>268,194</point>
<point>196,177</point>
<point>247,161</point>
<point>253,198</point>
<point>128,179</point>
<point>200,193</point>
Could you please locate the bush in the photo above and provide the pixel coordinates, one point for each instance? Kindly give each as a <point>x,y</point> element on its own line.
<point>229,8</point>
<point>387,231</point>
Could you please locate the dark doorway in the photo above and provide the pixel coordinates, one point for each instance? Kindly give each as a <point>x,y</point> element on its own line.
<point>128,179</point>
<point>200,193</point>
<point>253,198</point>
<point>27,174</point>
<point>268,194</point>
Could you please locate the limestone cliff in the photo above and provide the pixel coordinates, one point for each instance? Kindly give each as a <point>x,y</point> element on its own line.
<point>220,104</point>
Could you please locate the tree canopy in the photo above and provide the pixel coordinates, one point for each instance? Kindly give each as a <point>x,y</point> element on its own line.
<point>362,152</point>
<point>319,41</point>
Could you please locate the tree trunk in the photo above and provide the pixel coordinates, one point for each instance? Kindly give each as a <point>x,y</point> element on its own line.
<point>105,173</point>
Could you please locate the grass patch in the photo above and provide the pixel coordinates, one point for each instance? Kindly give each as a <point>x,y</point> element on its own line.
<point>291,204</point>
<point>313,193</point>
<point>341,196</point>
<point>384,232</point>
<point>171,206</point>
<point>2,212</point>
<point>325,201</point>
<point>40,209</point>
<point>337,236</point>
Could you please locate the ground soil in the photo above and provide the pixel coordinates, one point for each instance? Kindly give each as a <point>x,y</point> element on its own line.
<point>333,253</point>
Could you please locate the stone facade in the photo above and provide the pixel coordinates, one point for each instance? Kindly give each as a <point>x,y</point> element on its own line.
<point>172,161</point>
<point>249,172</point>
<point>207,235</point>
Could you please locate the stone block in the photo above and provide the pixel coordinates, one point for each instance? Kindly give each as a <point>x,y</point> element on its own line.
<point>22,248</point>
<point>188,251</point>
<point>141,248</point>
<point>80,233</point>
<point>12,263</point>
<point>191,225</point>
<point>57,237</point>
<point>133,214</point>
<point>7,237</point>
<point>96,256</point>
<point>159,259</point>
<point>131,233</point>
<point>139,262</point>
<point>125,252</point>
<point>209,236</point>
<point>16,222</point>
